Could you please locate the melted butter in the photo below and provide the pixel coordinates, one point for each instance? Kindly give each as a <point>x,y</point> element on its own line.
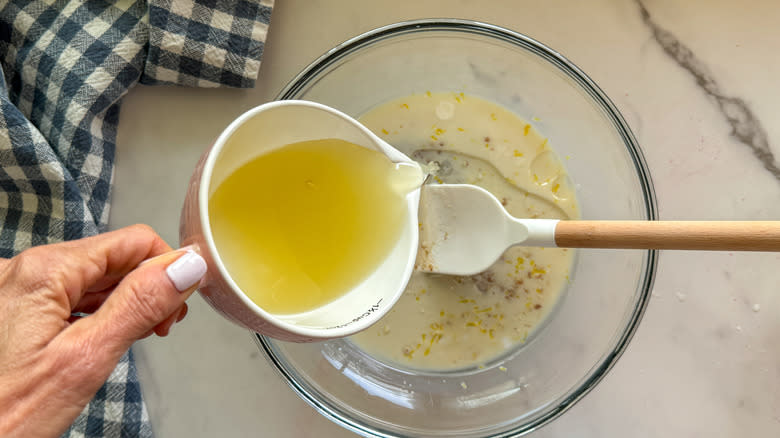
<point>291,226</point>
<point>444,322</point>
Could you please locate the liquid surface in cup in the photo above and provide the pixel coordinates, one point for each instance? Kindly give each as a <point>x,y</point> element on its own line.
<point>302,225</point>
<point>446,322</point>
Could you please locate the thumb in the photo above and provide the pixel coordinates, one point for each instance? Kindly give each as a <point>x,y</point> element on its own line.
<point>144,298</point>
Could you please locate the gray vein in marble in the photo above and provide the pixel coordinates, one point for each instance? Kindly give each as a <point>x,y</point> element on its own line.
<point>745,126</point>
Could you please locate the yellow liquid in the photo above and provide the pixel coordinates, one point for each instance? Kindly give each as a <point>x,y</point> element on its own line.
<point>302,225</point>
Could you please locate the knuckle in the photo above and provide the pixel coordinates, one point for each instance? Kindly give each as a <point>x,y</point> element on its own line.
<point>31,256</point>
<point>36,269</point>
<point>146,300</point>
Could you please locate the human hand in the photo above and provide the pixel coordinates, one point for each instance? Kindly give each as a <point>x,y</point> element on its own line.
<point>53,363</point>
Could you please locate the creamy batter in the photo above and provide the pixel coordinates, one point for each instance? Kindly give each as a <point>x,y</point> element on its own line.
<point>446,322</point>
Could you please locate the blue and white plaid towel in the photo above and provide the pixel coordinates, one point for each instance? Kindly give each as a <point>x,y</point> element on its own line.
<point>66,65</point>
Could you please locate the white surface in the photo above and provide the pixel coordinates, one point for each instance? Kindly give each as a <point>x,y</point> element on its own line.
<point>705,360</point>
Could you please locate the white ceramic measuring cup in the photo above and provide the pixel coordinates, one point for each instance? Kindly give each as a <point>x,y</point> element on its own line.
<point>257,132</point>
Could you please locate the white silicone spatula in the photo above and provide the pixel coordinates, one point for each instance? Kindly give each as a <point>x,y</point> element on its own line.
<point>465,229</point>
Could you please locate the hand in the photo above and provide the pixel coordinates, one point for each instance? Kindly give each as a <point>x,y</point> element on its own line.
<point>52,363</point>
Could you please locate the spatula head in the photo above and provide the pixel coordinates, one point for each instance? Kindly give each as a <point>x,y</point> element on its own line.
<point>464,229</point>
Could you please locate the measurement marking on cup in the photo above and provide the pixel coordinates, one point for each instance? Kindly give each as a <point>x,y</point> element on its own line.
<point>368,312</point>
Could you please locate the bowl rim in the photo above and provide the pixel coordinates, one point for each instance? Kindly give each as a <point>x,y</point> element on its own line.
<point>370,37</point>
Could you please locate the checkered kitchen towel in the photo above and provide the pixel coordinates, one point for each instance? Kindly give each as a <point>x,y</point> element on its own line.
<point>66,65</point>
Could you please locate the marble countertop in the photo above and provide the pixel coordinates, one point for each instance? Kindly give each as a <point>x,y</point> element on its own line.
<point>697,82</point>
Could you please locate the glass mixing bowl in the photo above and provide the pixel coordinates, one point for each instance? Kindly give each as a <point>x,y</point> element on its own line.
<point>609,289</point>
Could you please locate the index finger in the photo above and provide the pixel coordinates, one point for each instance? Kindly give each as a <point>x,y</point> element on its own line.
<point>92,263</point>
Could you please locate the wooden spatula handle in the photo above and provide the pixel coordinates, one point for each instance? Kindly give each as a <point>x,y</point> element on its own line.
<point>692,235</point>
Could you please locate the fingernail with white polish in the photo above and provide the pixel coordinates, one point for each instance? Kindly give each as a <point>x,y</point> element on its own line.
<point>186,270</point>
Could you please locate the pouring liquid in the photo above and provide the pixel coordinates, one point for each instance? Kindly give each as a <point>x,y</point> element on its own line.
<point>302,225</point>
